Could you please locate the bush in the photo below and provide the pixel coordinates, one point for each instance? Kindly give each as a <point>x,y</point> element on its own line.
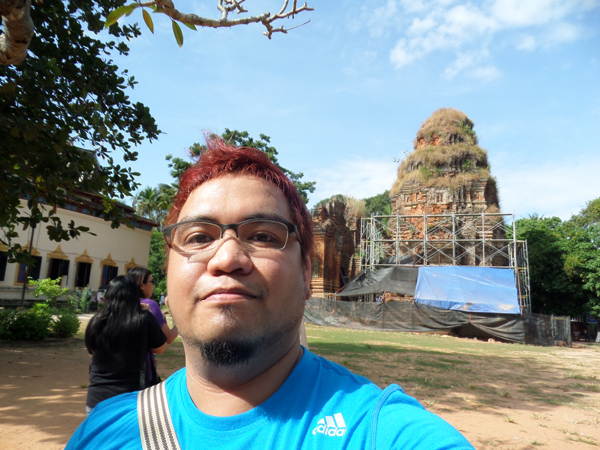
<point>6,318</point>
<point>48,287</point>
<point>29,324</point>
<point>65,325</point>
<point>82,301</point>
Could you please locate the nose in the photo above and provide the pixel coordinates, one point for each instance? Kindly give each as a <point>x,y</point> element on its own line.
<point>230,256</point>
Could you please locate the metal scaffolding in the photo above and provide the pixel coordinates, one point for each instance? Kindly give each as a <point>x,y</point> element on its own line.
<point>446,239</point>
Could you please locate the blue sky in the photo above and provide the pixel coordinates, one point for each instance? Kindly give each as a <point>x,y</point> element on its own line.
<point>343,97</point>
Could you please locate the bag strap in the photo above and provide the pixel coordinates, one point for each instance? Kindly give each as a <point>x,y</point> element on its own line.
<point>154,419</point>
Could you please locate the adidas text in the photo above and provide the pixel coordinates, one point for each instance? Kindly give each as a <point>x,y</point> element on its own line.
<point>331,425</point>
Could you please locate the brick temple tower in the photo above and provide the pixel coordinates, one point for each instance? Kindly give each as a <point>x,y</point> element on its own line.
<point>447,173</point>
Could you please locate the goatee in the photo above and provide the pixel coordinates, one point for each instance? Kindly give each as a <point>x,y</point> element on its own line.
<point>227,353</point>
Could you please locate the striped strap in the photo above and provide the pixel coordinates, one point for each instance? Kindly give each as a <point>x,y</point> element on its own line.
<point>154,419</point>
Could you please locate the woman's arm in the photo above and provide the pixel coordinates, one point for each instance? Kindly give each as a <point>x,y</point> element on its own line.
<point>170,333</point>
<point>159,350</point>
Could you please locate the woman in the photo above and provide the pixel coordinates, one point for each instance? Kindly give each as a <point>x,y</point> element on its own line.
<point>118,339</point>
<point>143,279</point>
<point>145,283</point>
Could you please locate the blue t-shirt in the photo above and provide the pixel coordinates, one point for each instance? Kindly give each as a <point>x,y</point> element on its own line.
<point>320,406</point>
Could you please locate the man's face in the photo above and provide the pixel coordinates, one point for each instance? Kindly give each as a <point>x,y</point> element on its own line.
<point>231,296</point>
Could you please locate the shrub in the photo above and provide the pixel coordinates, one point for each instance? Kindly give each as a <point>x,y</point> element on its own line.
<point>65,325</point>
<point>6,318</point>
<point>30,324</point>
<point>82,301</point>
<point>48,287</point>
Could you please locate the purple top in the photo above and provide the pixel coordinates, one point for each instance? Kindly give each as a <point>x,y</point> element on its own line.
<point>160,318</point>
<point>155,310</point>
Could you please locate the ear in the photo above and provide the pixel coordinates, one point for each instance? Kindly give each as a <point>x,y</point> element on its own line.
<point>167,300</point>
<point>306,273</point>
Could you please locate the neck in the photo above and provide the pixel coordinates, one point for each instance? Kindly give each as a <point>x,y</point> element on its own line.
<point>227,391</point>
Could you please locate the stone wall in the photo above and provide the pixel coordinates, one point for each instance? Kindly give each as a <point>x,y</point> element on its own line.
<point>333,261</point>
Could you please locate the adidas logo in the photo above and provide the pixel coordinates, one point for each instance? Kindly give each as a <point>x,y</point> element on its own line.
<point>331,425</point>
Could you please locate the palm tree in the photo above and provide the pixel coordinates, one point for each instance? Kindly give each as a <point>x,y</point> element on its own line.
<point>145,203</point>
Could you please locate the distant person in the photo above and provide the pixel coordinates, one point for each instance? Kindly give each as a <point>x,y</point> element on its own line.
<point>100,295</point>
<point>239,242</point>
<point>118,339</point>
<point>162,300</point>
<point>145,283</point>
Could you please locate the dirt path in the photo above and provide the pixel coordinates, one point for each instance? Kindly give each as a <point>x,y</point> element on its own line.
<point>553,404</point>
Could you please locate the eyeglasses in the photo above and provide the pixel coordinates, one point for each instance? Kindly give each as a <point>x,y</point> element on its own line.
<point>198,236</point>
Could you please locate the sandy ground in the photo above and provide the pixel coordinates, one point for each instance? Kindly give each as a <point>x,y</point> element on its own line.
<point>43,390</point>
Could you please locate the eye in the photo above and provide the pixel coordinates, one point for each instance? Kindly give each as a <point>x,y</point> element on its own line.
<point>197,239</point>
<point>196,235</point>
<point>263,234</point>
<point>263,237</point>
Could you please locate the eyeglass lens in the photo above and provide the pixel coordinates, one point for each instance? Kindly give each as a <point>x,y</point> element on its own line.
<point>254,235</point>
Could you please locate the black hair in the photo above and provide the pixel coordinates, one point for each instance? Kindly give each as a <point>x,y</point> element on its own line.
<point>140,276</point>
<point>121,318</point>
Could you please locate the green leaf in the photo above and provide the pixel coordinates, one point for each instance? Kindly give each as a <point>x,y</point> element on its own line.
<point>178,34</point>
<point>148,20</point>
<point>191,26</point>
<point>115,15</point>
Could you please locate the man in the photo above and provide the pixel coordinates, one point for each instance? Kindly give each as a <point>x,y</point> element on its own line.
<point>239,241</point>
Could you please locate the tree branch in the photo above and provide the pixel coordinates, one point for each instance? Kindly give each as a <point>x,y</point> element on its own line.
<point>225,7</point>
<point>18,31</point>
<point>18,26</point>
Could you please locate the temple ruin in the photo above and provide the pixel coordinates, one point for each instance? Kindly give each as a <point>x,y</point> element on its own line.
<point>446,193</point>
<point>334,262</point>
<point>445,211</point>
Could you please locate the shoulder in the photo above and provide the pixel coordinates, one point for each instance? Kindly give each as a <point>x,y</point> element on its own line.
<point>113,423</point>
<point>386,418</point>
<point>155,310</point>
<point>329,372</point>
<point>401,421</point>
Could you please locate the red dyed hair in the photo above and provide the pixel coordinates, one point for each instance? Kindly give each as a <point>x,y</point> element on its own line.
<point>222,159</point>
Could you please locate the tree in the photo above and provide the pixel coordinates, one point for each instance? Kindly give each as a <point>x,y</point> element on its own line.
<point>66,95</point>
<point>553,289</point>
<point>379,204</point>
<point>145,202</point>
<point>154,203</point>
<point>582,233</point>
<point>156,263</point>
<point>243,139</point>
<point>18,23</point>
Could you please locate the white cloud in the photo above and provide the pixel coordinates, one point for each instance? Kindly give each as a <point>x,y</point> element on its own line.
<point>470,28</point>
<point>401,55</point>
<point>381,18</point>
<point>358,177</point>
<point>555,188</point>
<point>485,74</point>
<point>527,43</point>
<point>462,61</point>
<point>420,26</point>
<point>563,33</point>
<point>520,13</point>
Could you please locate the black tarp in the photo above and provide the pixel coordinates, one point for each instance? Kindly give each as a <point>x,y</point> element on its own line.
<point>408,316</point>
<point>400,280</point>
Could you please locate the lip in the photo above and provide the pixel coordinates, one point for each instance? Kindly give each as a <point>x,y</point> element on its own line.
<point>229,295</point>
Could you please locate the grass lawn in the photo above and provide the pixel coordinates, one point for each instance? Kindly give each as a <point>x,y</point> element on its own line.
<point>500,396</point>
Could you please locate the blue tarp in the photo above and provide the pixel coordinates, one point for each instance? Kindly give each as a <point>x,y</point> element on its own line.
<point>467,288</point>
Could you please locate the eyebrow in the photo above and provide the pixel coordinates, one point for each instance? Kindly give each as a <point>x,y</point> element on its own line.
<point>268,216</point>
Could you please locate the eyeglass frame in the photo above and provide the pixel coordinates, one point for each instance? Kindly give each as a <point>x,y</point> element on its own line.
<point>291,228</point>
